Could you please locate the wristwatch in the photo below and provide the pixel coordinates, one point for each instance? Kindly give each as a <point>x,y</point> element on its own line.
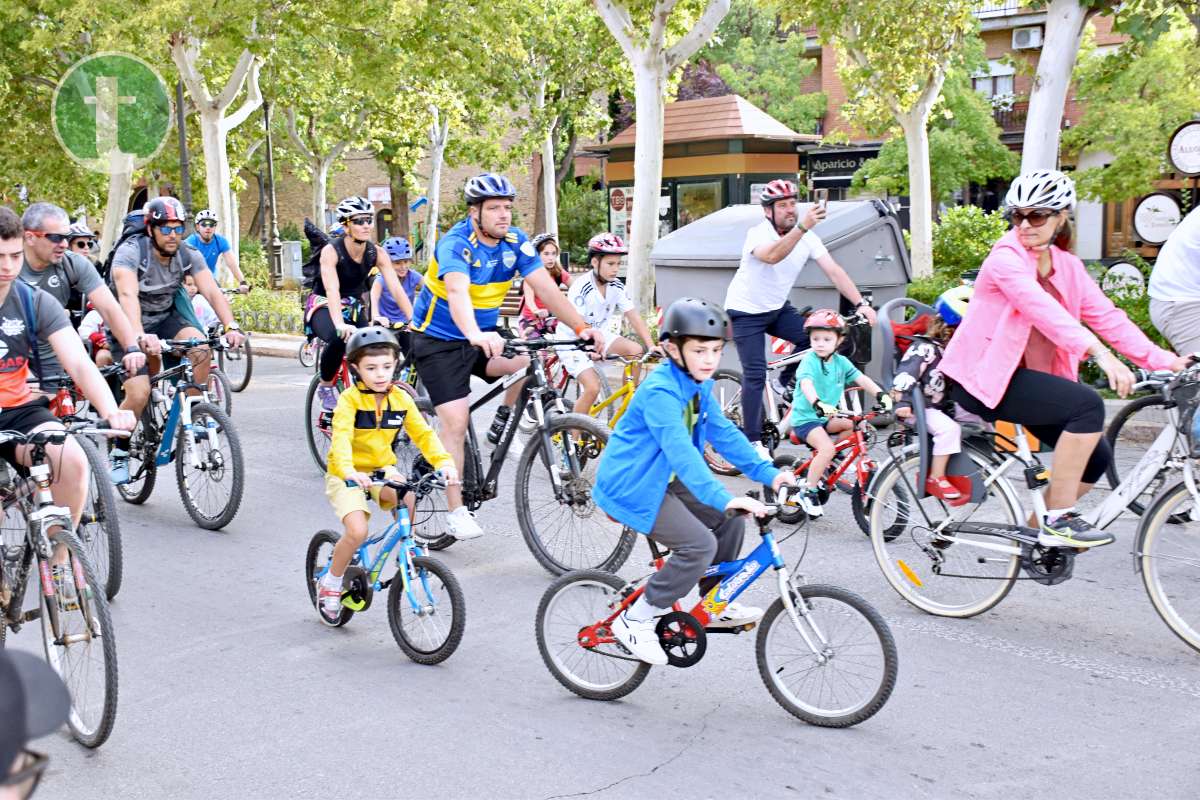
<point>233,326</point>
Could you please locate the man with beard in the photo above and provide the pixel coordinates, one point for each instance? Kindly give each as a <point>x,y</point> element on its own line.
<point>757,299</point>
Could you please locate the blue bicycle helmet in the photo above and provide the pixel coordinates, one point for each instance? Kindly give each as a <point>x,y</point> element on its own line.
<point>951,305</point>
<point>488,186</point>
<point>398,248</point>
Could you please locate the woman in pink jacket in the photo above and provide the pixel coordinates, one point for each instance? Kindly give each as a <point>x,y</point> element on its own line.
<point>1016,354</point>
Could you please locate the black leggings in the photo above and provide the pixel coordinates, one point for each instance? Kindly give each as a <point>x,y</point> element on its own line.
<point>335,347</point>
<point>1047,406</point>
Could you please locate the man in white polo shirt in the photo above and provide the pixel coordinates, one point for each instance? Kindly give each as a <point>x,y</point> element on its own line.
<point>757,299</point>
<point>1175,286</point>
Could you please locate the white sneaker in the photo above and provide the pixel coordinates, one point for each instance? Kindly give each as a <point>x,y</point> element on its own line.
<point>762,450</point>
<point>810,501</point>
<point>462,525</point>
<point>640,638</point>
<point>736,615</point>
<point>329,598</point>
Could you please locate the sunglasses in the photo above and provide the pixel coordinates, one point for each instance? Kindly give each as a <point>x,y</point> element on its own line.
<point>56,238</point>
<point>207,225</point>
<point>1037,217</point>
<point>363,221</point>
<point>167,230</point>
<point>82,244</point>
<point>27,774</point>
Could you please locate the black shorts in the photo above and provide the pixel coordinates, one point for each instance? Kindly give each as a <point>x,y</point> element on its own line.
<point>446,367</point>
<point>23,419</point>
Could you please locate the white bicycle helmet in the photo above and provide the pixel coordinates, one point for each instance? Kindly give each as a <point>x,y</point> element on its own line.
<point>206,215</point>
<point>79,230</point>
<point>1043,188</point>
<point>354,207</point>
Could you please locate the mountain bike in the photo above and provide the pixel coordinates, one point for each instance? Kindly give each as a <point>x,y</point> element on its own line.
<point>237,363</point>
<point>824,653</point>
<point>426,608</point>
<point>559,521</point>
<point>77,632</point>
<point>960,561</point>
<point>197,435</point>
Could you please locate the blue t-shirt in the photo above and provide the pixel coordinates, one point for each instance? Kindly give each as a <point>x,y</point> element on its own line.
<point>829,378</point>
<point>491,271</point>
<point>387,304</point>
<point>212,250</point>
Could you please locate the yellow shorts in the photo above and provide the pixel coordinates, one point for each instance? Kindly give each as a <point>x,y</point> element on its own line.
<point>351,498</point>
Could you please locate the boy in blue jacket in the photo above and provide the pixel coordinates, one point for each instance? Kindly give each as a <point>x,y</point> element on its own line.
<point>653,476</point>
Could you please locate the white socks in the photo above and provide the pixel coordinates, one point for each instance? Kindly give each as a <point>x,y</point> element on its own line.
<point>331,581</point>
<point>1055,513</point>
<point>642,611</point>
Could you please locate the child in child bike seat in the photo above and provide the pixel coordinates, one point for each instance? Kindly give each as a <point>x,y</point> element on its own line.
<point>920,368</point>
<point>653,476</point>
<point>821,379</point>
<point>368,417</point>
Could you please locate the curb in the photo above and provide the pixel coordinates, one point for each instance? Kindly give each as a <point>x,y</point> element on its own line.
<point>276,345</point>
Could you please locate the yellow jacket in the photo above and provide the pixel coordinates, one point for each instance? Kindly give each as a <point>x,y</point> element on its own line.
<point>363,435</point>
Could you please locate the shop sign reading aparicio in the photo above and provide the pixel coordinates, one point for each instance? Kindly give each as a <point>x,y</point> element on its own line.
<point>837,164</point>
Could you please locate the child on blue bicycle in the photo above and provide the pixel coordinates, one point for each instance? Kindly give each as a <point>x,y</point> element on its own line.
<point>368,417</point>
<point>653,477</point>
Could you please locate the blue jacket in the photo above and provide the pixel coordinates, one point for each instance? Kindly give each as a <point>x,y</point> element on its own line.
<point>651,443</point>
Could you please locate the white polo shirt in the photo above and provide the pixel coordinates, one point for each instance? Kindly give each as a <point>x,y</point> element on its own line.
<point>1176,275</point>
<point>759,287</point>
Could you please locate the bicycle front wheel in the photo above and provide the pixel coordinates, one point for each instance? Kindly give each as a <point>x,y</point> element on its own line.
<point>237,363</point>
<point>212,487</point>
<point>143,469</point>
<point>597,672</point>
<point>99,529</point>
<point>308,353</point>
<point>1132,430</point>
<point>727,391</point>
<point>848,672</point>
<point>318,423</point>
<point>560,522</point>
<point>952,574</point>
<point>427,611</point>
<point>1168,554</point>
<point>78,638</point>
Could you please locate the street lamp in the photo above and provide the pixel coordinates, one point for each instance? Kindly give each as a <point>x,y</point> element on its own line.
<point>276,255</point>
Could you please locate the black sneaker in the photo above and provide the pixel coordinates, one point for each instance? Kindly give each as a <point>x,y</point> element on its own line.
<point>1071,530</point>
<point>498,424</point>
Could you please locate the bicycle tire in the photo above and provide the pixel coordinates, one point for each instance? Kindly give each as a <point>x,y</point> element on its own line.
<point>551,643</point>
<point>307,354</point>
<point>99,527</point>
<point>731,407</point>
<point>219,389</point>
<point>538,541</point>
<point>776,621</point>
<point>143,468</point>
<point>1113,435</point>
<point>398,604</point>
<point>95,730</point>
<point>239,377</point>
<point>318,441</point>
<point>907,579</point>
<point>860,505</point>
<point>312,567</point>
<point>215,464</point>
<point>1154,556</point>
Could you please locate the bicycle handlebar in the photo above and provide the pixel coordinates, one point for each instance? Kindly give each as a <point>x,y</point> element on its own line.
<point>514,347</point>
<point>59,436</point>
<point>421,487</point>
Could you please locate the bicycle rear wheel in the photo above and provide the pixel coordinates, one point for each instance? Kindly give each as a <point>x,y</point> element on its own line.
<point>849,678</point>
<point>316,561</point>
<point>308,353</point>
<point>562,526</point>
<point>318,422</point>
<point>212,489</point>
<point>1132,430</point>
<point>78,638</point>
<point>727,391</point>
<point>574,601</point>
<point>219,390</point>
<point>237,363</point>
<point>949,577</point>
<point>1168,556</point>
<point>99,529</point>
<point>143,469</point>
<point>428,619</point>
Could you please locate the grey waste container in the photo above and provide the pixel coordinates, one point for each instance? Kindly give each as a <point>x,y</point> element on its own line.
<point>700,258</point>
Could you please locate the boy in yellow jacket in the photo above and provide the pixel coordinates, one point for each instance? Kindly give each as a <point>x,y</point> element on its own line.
<point>368,417</point>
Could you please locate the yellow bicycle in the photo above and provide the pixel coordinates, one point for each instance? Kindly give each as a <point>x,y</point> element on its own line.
<point>610,405</point>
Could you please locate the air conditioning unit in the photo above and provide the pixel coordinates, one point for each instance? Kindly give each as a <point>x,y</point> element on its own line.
<point>1027,38</point>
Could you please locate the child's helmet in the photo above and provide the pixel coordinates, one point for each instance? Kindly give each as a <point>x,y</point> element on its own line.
<point>825,319</point>
<point>691,316</point>
<point>951,305</point>
<point>372,336</point>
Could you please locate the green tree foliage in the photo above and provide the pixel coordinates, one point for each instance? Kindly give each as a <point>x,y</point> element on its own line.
<point>763,60</point>
<point>962,239</point>
<point>583,211</point>
<point>1134,98</point>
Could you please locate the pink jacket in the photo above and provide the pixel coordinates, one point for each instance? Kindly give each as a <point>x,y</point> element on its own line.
<point>1009,302</point>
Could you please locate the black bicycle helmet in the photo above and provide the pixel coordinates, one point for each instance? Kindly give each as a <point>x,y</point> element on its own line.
<point>691,316</point>
<point>372,336</point>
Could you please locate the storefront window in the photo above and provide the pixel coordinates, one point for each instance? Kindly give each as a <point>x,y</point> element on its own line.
<point>697,200</point>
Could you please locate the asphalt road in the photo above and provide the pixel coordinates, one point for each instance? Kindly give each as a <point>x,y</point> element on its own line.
<point>230,687</point>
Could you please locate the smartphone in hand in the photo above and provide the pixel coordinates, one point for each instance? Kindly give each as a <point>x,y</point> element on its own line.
<point>821,196</point>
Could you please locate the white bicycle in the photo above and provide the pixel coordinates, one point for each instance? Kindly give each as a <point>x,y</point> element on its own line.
<point>962,561</point>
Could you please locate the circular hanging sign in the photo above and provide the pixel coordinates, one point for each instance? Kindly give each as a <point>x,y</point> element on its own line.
<point>1155,216</point>
<point>1184,148</point>
<point>1125,279</point>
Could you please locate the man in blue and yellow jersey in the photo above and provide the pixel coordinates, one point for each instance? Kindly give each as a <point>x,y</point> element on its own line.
<point>455,317</point>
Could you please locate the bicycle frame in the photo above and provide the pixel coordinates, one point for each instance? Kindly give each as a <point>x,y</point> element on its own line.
<point>863,465</point>
<point>180,413</point>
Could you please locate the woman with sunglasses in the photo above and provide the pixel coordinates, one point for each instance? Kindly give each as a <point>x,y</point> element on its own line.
<point>81,241</point>
<point>1035,314</point>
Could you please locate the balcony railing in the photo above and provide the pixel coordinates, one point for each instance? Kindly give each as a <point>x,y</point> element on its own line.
<point>1012,120</point>
<point>999,8</point>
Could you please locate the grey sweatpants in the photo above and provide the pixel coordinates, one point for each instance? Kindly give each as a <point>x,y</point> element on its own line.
<point>698,535</point>
<point>1179,322</point>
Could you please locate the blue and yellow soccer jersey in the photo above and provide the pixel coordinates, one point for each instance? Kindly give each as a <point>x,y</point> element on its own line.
<point>491,270</point>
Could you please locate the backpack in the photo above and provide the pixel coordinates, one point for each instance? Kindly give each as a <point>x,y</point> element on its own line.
<point>25,293</point>
<point>135,225</point>
<point>135,228</point>
<point>312,268</point>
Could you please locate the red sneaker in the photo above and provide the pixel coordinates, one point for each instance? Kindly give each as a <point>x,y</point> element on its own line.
<point>942,489</point>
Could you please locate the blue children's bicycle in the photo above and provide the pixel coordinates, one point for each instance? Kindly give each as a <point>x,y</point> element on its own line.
<point>426,608</point>
<point>824,653</point>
